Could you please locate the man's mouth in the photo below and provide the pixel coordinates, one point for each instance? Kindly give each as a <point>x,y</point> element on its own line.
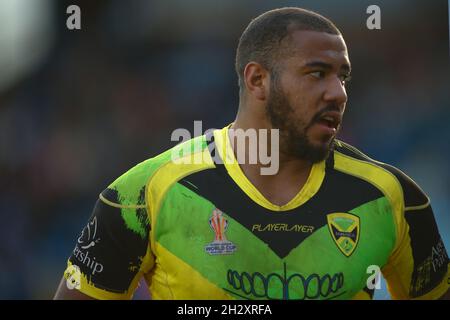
<point>331,119</point>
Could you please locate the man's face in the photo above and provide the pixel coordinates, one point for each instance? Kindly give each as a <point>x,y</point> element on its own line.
<point>307,94</point>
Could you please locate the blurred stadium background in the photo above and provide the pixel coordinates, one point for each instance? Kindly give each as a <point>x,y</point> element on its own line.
<point>78,108</point>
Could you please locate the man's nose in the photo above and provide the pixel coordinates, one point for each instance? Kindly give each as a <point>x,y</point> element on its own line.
<point>336,92</point>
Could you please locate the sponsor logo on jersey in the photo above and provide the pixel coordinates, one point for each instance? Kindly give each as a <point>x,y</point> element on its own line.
<point>282,227</point>
<point>88,237</point>
<point>429,272</point>
<point>88,261</point>
<point>87,240</point>
<point>220,245</point>
<point>285,285</point>
<point>345,230</point>
<point>439,257</point>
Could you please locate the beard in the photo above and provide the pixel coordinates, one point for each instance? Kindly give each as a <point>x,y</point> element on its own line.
<point>294,141</point>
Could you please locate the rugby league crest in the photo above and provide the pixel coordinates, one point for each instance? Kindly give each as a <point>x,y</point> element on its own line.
<point>345,229</point>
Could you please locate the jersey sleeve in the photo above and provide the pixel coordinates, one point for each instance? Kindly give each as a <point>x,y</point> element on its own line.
<point>113,250</point>
<point>418,266</point>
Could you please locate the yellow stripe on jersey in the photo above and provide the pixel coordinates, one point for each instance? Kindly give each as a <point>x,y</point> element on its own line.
<point>167,175</point>
<point>174,284</point>
<point>362,295</point>
<point>121,206</point>
<point>226,153</point>
<point>384,180</point>
<point>90,290</point>
<point>418,207</point>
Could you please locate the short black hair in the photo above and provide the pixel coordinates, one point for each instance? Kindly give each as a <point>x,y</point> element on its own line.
<point>262,40</point>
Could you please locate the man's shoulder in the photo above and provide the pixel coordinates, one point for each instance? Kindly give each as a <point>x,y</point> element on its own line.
<point>131,185</point>
<point>412,193</point>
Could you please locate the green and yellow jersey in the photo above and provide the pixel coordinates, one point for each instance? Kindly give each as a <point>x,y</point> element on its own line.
<point>196,228</point>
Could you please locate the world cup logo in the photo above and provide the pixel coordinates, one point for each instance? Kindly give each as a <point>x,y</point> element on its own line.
<point>219,225</point>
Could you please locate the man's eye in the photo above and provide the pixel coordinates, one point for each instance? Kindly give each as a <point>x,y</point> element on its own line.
<point>345,78</point>
<point>318,74</point>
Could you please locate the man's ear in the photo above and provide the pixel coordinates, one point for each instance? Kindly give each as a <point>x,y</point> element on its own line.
<point>257,80</point>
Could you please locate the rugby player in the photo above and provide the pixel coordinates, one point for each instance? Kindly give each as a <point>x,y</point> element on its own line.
<point>221,230</point>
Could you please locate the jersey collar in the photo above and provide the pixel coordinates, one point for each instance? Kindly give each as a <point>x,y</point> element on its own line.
<point>226,153</point>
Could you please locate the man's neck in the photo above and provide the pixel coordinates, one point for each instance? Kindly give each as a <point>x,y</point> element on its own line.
<point>278,188</point>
